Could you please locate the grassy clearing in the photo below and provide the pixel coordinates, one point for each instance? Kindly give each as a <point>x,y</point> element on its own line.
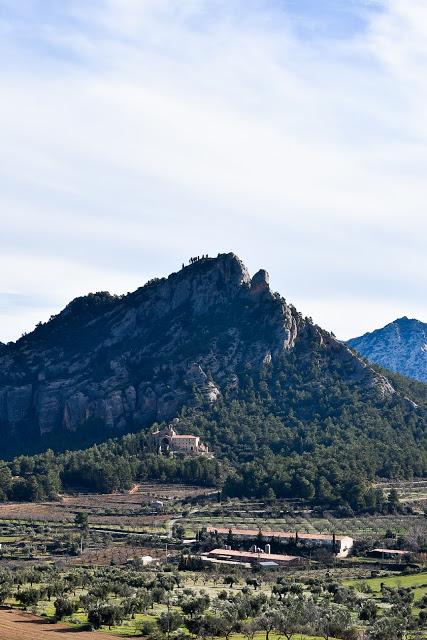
<point>416,582</point>
<point>412,581</point>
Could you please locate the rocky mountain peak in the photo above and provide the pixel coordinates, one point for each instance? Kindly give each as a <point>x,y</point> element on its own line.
<point>208,281</point>
<point>226,266</point>
<point>260,282</point>
<point>400,346</point>
<point>202,283</point>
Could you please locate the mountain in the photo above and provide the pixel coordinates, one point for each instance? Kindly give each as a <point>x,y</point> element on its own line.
<point>285,407</point>
<point>197,344</point>
<point>400,346</point>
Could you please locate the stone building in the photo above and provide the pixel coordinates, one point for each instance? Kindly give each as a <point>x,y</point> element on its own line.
<point>169,441</point>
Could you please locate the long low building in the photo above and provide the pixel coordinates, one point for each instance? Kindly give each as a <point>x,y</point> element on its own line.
<point>251,557</point>
<point>219,561</point>
<point>343,544</point>
<point>389,553</point>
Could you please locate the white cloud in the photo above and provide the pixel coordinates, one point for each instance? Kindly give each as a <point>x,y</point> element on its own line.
<point>136,133</point>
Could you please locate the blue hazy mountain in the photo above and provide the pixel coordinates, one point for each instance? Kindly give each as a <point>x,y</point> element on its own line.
<point>400,346</point>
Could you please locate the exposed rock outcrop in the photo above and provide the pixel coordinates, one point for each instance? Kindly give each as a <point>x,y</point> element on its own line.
<point>400,346</point>
<point>141,357</point>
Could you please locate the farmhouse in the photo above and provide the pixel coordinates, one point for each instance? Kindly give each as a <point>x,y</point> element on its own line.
<point>341,545</point>
<point>251,557</point>
<point>169,441</point>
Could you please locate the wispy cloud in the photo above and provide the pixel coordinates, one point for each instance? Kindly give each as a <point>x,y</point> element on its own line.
<point>138,132</point>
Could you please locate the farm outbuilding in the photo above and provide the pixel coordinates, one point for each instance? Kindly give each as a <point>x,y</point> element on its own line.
<point>251,557</point>
<point>389,554</point>
<point>341,545</point>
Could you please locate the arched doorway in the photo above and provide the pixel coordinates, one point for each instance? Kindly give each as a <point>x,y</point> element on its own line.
<point>165,445</point>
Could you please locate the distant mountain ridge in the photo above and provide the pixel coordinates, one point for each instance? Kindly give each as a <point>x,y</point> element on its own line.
<point>400,346</point>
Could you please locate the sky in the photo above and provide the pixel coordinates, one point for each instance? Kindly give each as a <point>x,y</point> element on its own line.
<point>137,133</point>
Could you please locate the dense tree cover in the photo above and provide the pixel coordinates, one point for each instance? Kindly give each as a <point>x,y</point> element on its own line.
<point>294,407</point>
<point>414,389</point>
<point>291,430</point>
<point>111,466</point>
<point>288,435</point>
<point>64,329</point>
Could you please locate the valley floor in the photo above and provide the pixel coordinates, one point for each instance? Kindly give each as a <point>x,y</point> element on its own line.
<point>128,526</point>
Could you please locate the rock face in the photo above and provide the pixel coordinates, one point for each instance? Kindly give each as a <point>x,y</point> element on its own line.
<point>400,346</point>
<point>132,360</point>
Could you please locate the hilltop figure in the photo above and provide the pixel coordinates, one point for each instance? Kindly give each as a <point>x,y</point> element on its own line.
<point>197,259</point>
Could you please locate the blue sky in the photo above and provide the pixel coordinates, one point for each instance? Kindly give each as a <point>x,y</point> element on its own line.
<point>329,18</point>
<point>136,133</point>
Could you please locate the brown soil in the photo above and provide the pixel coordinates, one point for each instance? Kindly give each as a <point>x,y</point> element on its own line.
<point>110,509</point>
<point>17,625</point>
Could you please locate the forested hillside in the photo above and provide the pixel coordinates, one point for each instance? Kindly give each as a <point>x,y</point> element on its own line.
<point>262,447</point>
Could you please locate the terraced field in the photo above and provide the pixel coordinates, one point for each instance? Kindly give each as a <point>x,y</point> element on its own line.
<point>411,492</point>
<point>251,515</point>
<point>130,509</point>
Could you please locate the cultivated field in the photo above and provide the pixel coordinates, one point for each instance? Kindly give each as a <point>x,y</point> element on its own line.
<point>121,528</point>
<point>254,515</point>
<point>17,625</point>
<point>417,583</point>
<point>117,554</point>
<point>122,510</point>
<point>411,492</point>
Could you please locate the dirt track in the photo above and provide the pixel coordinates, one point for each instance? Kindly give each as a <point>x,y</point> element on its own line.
<point>16,625</point>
